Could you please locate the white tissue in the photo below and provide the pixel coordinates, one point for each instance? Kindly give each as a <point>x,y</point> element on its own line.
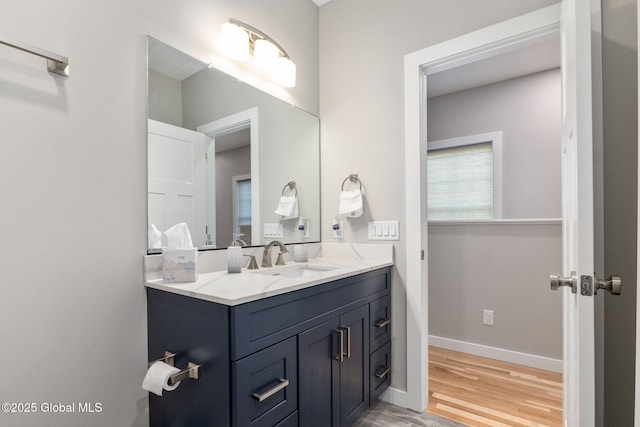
<point>288,207</point>
<point>178,237</point>
<point>155,237</point>
<point>351,203</point>
<point>157,378</point>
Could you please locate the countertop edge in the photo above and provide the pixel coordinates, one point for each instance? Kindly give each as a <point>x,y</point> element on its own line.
<point>286,284</point>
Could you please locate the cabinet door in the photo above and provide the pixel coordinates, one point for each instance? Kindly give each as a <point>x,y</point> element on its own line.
<point>354,369</point>
<point>318,376</point>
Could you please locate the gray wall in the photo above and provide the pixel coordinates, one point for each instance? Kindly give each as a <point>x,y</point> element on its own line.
<point>288,137</point>
<point>472,267</point>
<point>229,163</point>
<point>362,48</point>
<point>73,190</point>
<point>527,111</point>
<point>619,47</point>
<point>499,267</point>
<point>165,98</point>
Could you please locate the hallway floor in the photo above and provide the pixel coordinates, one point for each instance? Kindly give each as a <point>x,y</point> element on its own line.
<point>481,392</point>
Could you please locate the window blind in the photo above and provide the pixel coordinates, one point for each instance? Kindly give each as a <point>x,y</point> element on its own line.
<point>244,202</point>
<point>460,183</point>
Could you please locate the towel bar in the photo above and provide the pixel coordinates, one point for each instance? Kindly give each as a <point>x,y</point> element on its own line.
<point>56,64</point>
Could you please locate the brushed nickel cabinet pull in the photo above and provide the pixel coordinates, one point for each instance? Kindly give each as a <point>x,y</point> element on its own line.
<point>385,371</point>
<point>348,342</point>
<point>281,386</point>
<point>382,323</point>
<point>340,355</point>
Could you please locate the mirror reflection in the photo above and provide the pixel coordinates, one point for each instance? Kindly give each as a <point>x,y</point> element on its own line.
<point>223,157</point>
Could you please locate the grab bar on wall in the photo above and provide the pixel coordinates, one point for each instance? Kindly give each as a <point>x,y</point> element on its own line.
<point>56,64</point>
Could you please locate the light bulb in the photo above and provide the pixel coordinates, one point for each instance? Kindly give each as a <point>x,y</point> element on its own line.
<point>235,41</point>
<point>284,72</point>
<point>265,55</point>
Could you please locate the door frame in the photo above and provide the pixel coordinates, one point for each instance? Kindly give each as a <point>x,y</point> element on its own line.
<point>232,123</point>
<point>483,43</point>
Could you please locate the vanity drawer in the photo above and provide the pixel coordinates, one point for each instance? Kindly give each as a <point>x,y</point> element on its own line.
<point>380,366</point>
<point>380,318</point>
<point>258,324</point>
<point>265,386</point>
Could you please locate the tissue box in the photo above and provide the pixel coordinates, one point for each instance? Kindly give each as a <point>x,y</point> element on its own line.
<point>179,265</point>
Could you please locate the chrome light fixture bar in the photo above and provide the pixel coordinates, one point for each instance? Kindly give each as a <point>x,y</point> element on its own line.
<point>242,41</point>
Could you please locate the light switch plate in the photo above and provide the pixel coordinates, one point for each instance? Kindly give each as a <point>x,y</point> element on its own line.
<point>273,230</point>
<point>384,230</point>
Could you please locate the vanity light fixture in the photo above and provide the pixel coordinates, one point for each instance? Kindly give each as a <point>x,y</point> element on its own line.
<point>241,42</point>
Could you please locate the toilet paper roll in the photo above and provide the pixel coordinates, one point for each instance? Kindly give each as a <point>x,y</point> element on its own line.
<point>157,378</point>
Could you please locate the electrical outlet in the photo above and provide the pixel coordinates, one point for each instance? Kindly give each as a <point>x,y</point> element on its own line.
<point>487,317</point>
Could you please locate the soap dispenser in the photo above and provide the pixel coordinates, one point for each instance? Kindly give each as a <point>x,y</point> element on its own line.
<point>234,258</point>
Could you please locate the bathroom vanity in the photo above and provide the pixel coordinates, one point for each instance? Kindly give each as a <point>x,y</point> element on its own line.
<point>274,349</point>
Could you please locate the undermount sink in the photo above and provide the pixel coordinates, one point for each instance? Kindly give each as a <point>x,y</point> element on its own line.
<point>296,270</point>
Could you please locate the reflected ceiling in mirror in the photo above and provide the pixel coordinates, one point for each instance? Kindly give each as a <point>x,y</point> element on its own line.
<point>220,156</point>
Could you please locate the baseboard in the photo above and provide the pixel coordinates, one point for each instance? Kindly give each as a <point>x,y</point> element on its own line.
<point>396,397</point>
<point>540,362</point>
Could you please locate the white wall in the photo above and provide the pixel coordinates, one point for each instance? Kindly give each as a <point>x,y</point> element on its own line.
<point>527,111</point>
<point>362,46</point>
<point>73,190</point>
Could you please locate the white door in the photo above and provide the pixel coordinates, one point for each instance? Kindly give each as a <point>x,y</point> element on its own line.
<point>578,192</point>
<point>177,179</point>
<point>578,213</point>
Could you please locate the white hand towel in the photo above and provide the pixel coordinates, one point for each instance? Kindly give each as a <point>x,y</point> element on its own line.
<point>351,203</point>
<point>288,207</point>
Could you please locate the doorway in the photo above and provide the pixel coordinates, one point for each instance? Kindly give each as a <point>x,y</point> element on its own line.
<point>495,232</point>
<point>524,31</point>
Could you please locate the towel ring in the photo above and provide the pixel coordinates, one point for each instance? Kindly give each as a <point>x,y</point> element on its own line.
<point>353,178</point>
<point>292,186</point>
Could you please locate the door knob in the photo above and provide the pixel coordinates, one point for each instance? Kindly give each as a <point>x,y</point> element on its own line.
<point>557,281</point>
<point>613,284</point>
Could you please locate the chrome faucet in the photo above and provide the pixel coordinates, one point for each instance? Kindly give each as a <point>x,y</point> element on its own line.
<point>266,256</point>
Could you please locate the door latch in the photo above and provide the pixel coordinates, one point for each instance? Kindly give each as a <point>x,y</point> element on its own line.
<point>613,284</point>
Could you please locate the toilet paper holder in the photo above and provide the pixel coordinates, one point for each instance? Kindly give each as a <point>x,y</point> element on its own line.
<point>191,372</point>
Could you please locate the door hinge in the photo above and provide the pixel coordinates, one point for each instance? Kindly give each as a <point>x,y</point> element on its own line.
<point>422,255</point>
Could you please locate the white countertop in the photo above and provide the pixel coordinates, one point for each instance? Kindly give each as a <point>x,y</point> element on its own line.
<point>336,262</point>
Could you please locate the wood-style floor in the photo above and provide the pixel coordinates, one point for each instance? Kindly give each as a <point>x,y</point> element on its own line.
<point>481,392</point>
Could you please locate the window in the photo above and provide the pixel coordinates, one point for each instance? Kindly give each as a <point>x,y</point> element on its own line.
<point>243,201</point>
<point>464,178</point>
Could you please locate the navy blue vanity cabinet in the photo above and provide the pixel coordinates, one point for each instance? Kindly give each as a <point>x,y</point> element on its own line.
<point>334,370</point>
<point>302,358</point>
<point>197,331</point>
